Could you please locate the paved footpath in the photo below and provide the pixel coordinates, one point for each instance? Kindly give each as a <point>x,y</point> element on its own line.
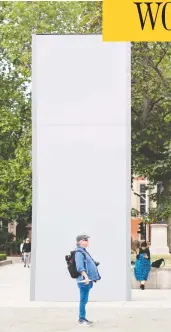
<point>148,310</point>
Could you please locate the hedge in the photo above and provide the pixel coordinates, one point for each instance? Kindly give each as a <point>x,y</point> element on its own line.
<point>3,257</point>
<point>11,248</point>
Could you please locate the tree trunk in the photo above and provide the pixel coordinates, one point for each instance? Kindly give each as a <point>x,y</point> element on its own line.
<point>169,233</point>
<point>169,220</point>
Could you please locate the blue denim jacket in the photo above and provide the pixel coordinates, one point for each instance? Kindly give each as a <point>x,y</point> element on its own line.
<point>87,265</point>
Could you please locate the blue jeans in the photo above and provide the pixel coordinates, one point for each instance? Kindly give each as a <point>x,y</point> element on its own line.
<point>84,293</point>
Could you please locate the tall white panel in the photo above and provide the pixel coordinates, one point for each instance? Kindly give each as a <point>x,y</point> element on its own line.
<point>81,163</point>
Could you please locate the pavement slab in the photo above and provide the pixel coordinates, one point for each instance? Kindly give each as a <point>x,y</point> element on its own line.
<point>64,319</point>
<point>149,309</point>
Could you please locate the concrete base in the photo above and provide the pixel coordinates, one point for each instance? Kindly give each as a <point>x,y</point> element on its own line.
<point>6,262</point>
<point>158,279</point>
<point>159,251</point>
<point>159,239</point>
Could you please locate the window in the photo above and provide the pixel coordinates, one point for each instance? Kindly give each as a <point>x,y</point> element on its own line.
<point>142,199</point>
<point>142,189</point>
<point>142,209</point>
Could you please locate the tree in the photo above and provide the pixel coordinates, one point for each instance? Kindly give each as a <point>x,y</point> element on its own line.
<point>151,120</point>
<point>18,21</point>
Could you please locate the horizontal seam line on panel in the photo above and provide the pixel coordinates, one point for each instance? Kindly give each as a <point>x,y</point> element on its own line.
<point>92,125</point>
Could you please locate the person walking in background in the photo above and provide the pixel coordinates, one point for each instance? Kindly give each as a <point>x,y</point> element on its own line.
<point>21,250</point>
<point>142,264</point>
<point>89,274</point>
<point>27,253</point>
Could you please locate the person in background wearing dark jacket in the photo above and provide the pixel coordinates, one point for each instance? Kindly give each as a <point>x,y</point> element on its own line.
<point>142,264</point>
<point>27,253</point>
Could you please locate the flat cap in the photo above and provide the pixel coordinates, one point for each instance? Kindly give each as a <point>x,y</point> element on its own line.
<point>82,237</point>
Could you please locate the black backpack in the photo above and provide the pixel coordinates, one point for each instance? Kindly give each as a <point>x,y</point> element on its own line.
<point>157,264</point>
<point>71,264</point>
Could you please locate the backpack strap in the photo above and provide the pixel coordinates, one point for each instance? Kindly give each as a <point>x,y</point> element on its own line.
<point>82,253</point>
<point>85,261</point>
<point>87,254</point>
<point>91,257</point>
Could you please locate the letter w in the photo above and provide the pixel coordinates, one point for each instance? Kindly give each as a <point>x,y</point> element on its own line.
<point>149,11</point>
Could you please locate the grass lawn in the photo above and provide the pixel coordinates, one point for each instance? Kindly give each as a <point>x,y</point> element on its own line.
<point>167,259</point>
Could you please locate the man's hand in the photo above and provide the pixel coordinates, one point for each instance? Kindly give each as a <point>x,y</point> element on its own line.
<point>86,281</point>
<point>85,276</point>
<point>146,256</point>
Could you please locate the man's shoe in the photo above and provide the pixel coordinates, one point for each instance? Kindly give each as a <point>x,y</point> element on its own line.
<point>85,322</point>
<point>28,266</point>
<point>24,265</point>
<point>88,321</point>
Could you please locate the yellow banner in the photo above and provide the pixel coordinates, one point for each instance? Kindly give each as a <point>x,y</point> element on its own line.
<point>128,20</point>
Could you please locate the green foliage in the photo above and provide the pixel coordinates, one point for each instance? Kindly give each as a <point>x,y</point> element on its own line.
<point>3,257</point>
<point>151,118</point>
<point>5,237</point>
<point>13,248</point>
<point>18,21</point>
<point>135,213</point>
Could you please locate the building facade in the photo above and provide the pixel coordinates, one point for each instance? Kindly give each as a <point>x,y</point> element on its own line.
<point>141,203</point>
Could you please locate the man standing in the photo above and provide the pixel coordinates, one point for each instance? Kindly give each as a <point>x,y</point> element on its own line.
<point>89,274</point>
<point>27,253</point>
